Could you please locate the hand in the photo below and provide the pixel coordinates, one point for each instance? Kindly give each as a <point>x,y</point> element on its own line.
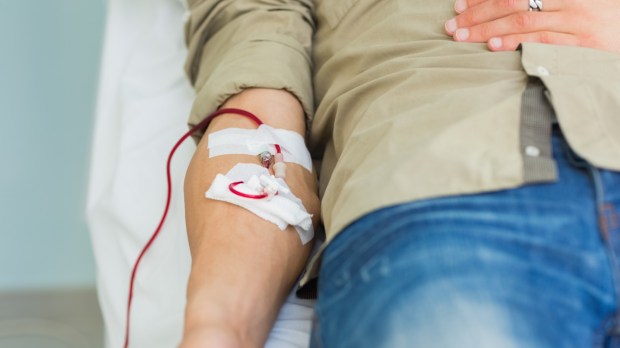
<point>504,24</point>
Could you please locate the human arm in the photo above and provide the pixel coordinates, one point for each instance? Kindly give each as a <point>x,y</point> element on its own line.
<point>252,55</point>
<point>504,24</point>
<point>242,266</point>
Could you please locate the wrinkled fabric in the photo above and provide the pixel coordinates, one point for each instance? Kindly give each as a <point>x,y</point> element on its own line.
<point>396,98</point>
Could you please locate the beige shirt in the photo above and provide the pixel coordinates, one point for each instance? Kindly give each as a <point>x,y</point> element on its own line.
<point>403,112</point>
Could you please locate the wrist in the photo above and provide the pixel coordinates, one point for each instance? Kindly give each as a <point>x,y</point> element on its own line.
<point>249,322</point>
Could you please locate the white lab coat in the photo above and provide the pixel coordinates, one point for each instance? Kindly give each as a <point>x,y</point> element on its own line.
<point>143,103</point>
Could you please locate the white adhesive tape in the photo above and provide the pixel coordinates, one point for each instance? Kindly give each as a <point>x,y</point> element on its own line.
<point>238,141</point>
<point>283,209</point>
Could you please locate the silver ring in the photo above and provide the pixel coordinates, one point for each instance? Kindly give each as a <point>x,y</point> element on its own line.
<point>535,5</point>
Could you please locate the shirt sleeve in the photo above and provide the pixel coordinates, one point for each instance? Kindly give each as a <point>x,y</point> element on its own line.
<point>239,44</point>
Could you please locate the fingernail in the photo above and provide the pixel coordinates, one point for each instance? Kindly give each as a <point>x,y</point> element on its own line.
<point>460,6</point>
<point>462,34</point>
<point>451,26</point>
<point>495,42</point>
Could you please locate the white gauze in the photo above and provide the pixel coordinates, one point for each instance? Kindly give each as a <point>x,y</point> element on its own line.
<point>282,209</point>
<point>238,141</point>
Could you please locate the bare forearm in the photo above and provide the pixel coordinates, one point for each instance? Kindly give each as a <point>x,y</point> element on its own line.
<point>242,265</point>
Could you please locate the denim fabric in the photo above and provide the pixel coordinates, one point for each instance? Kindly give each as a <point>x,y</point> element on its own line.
<point>534,266</point>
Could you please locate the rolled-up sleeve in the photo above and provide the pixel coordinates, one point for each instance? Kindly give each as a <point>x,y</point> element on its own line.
<point>239,44</point>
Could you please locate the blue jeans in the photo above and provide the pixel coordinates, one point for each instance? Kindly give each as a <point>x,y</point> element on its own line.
<point>535,266</point>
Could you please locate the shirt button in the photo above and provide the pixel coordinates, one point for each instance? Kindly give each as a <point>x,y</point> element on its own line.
<point>542,71</point>
<point>532,151</point>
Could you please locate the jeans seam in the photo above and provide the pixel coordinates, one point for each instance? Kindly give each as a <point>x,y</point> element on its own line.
<point>608,234</point>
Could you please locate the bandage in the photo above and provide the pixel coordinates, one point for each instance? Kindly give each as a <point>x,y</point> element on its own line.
<point>281,207</point>
<point>238,141</point>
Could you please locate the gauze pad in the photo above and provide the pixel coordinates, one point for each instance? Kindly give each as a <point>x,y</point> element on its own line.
<point>282,209</point>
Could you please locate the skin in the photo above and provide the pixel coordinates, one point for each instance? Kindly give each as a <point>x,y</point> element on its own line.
<point>243,267</point>
<point>504,24</point>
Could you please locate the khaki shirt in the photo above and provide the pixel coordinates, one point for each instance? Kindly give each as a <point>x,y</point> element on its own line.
<point>403,112</point>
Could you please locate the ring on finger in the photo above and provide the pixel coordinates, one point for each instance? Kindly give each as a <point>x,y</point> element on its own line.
<point>535,5</point>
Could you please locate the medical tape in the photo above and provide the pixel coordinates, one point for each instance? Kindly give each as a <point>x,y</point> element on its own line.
<point>238,141</point>
<point>282,209</point>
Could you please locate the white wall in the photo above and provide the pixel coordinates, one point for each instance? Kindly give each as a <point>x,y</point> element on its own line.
<point>49,58</point>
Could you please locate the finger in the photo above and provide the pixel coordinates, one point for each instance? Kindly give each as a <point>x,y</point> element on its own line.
<point>483,12</point>
<point>511,42</point>
<point>462,5</point>
<point>493,9</point>
<point>516,5</point>
<point>518,23</point>
<point>489,10</point>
